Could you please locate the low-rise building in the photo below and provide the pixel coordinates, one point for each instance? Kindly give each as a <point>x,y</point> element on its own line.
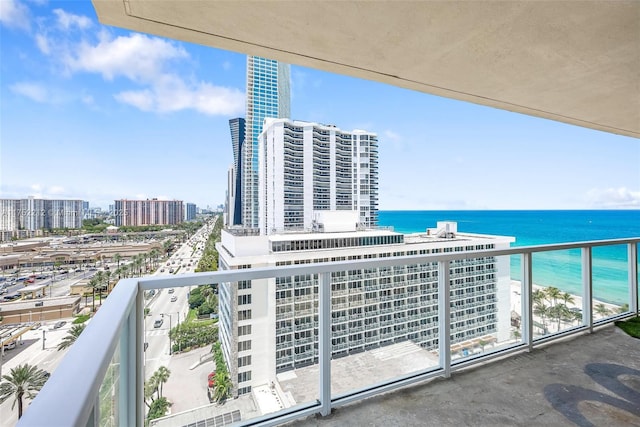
<point>269,326</point>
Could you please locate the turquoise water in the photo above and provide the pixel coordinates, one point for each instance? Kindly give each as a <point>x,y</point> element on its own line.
<point>558,268</point>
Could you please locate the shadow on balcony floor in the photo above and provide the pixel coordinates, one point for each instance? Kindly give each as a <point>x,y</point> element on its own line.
<point>589,380</point>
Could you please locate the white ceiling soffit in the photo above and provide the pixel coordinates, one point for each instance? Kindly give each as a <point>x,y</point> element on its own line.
<point>576,62</point>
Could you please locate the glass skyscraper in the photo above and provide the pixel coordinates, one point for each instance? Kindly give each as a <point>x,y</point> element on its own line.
<point>268,95</point>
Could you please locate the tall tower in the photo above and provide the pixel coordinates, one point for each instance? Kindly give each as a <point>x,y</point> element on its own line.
<point>238,134</point>
<point>307,167</point>
<point>268,95</point>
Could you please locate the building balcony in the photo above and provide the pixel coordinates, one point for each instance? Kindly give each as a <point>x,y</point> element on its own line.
<point>110,355</point>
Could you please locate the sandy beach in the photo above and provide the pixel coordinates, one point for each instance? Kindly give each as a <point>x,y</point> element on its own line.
<point>516,298</point>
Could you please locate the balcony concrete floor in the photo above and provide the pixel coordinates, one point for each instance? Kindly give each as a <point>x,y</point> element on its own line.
<point>588,380</point>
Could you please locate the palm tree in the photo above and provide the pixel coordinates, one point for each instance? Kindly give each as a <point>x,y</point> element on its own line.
<point>567,298</point>
<point>543,311</point>
<point>117,257</point>
<point>602,310</point>
<point>93,284</point>
<point>553,294</point>
<point>538,296</point>
<point>223,386</point>
<point>623,308</point>
<point>107,276</point>
<point>162,375</point>
<point>100,278</point>
<point>71,336</point>
<point>23,381</point>
<point>150,387</point>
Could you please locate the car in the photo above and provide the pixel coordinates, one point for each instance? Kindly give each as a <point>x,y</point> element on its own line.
<point>171,290</point>
<point>59,324</point>
<point>158,322</point>
<point>174,298</point>
<point>11,297</point>
<point>162,270</point>
<point>10,346</point>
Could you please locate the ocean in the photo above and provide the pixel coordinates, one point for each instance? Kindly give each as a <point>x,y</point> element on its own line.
<point>558,268</point>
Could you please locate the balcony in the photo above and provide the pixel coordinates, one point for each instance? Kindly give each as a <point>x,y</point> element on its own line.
<point>530,386</point>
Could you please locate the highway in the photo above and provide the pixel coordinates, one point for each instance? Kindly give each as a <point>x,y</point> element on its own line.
<point>161,305</point>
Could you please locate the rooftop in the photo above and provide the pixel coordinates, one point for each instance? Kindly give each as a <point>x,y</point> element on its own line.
<point>586,380</point>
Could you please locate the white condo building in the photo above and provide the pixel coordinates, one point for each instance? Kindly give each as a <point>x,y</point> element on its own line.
<point>269,326</point>
<point>307,167</point>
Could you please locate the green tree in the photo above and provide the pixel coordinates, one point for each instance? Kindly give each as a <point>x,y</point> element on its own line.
<point>223,386</point>
<point>93,284</point>
<point>567,298</point>
<point>23,381</point>
<point>542,310</point>
<point>71,336</point>
<point>162,375</point>
<point>553,294</point>
<point>117,257</point>
<point>623,308</point>
<point>158,408</point>
<point>602,310</point>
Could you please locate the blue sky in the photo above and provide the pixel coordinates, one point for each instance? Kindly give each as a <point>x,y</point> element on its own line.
<point>98,113</point>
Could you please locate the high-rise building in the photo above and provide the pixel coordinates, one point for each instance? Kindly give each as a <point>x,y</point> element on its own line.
<point>306,167</point>
<point>36,214</point>
<point>268,95</point>
<point>269,326</point>
<point>238,134</point>
<point>190,212</point>
<point>148,212</point>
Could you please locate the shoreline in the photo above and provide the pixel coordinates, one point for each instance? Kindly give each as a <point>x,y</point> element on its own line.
<point>516,299</point>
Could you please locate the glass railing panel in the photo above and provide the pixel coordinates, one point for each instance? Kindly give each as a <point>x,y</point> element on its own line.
<point>295,335</point>
<point>486,309</point>
<point>109,392</point>
<point>234,365</point>
<point>384,325</point>
<point>610,278</point>
<point>557,291</point>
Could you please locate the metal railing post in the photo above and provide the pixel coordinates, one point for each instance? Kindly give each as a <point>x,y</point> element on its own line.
<point>632,255</point>
<point>587,290</point>
<point>444,317</point>
<point>138,398</point>
<point>527,299</point>
<point>324,341</point>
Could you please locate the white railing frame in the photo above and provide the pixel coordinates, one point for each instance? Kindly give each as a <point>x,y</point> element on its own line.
<point>120,321</point>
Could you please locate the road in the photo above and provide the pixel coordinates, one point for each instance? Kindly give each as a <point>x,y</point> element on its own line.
<point>161,306</point>
<point>29,350</point>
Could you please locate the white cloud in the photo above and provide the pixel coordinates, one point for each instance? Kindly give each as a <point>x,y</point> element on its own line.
<point>614,198</point>
<point>144,60</point>
<point>137,57</point>
<point>392,136</point>
<point>143,99</point>
<point>14,15</point>
<point>55,189</point>
<point>43,44</point>
<point>34,91</point>
<point>69,20</point>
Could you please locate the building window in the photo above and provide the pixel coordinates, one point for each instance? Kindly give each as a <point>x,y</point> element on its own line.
<point>244,376</point>
<point>244,314</point>
<point>244,361</point>
<point>244,299</point>
<point>244,330</point>
<point>244,345</point>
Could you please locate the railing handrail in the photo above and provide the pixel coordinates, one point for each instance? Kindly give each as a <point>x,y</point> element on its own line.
<point>74,388</point>
<point>210,277</point>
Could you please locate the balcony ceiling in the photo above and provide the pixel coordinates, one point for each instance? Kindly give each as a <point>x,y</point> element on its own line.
<point>576,62</point>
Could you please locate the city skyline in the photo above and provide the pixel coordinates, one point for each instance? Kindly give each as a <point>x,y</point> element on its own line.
<point>97,113</point>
